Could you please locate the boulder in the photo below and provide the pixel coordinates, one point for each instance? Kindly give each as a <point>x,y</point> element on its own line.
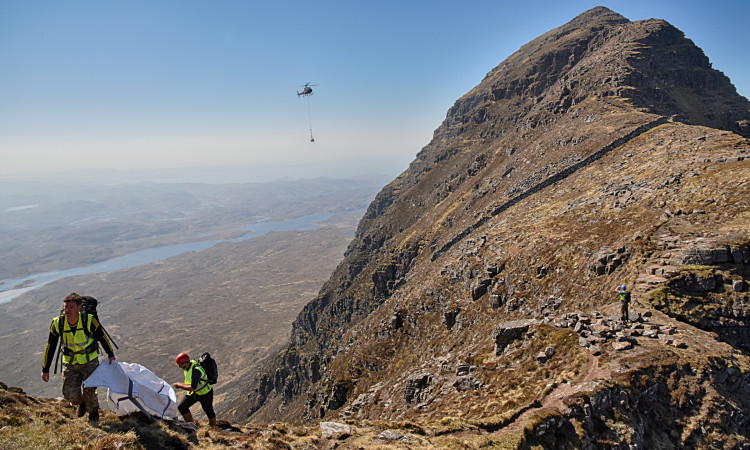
<point>415,385</point>
<point>664,339</point>
<point>449,318</point>
<point>397,320</point>
<point>389,435</point>
<point>622,345</point>
<point>507,332</point>
<point>650,333</point>
<point>466,383</point>
<point>740,254</point>
<point>463,369</point>
<point>479,288</point>
<point>679,344</point>
<point>496,301</point>
<point>335,430</point>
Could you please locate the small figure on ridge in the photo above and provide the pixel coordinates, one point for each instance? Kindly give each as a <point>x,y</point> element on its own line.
<point>624,302</point>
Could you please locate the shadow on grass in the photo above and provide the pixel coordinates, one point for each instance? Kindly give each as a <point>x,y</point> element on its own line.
<point>153,435</point>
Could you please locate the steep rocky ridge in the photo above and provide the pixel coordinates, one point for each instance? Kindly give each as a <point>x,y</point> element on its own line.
<point>603,152</point>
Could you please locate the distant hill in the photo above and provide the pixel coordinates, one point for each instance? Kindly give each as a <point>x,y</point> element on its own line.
<point>52,226</point>
<point>479,291</point>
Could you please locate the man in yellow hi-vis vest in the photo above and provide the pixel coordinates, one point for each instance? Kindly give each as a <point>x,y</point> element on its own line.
<point>80,353</point>
<point>198,387</point>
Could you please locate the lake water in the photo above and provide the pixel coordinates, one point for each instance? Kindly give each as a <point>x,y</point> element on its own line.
<point>14,287</point>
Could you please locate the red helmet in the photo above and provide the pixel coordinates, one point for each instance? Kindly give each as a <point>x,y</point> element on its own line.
<point>181,358</point>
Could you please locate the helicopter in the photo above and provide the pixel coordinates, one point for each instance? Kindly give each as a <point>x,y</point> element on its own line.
<point>306,90</point>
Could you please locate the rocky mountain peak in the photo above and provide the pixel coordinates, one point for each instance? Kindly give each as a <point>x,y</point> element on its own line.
<point>595,17</point>
<point>480,283</point>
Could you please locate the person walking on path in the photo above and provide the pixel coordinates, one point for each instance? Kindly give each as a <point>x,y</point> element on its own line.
<point>624,303</point>
<point>81,335</point>
<point>198,389</point>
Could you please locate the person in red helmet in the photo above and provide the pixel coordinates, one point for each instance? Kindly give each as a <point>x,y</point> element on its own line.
<point>198,389</point>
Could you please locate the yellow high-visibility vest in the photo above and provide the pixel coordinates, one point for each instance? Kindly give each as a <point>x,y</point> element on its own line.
<point>203,386</point>
<point>78,346</point>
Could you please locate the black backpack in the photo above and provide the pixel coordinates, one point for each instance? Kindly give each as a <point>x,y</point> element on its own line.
<point>89,305</point>
<point>209,366</point>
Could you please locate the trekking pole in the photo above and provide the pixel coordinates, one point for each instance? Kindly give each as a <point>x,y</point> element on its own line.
<point>110,338</point>
<point>60,329</point>
<point>59,349</point>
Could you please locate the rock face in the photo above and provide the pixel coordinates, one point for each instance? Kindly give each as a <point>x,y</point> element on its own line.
<point>603,152</point>
<point>508,332</point>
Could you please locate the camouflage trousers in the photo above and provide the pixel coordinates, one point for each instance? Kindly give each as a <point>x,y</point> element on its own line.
<point>72,388</point>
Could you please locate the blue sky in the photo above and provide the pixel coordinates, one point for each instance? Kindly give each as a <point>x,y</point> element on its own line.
<point>156,84</point>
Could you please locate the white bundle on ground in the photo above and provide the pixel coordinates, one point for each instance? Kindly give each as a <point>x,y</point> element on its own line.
<point>132,387</point>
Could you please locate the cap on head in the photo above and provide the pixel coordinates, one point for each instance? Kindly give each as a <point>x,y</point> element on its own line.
<point>622,288</point>
<point>182,358</point>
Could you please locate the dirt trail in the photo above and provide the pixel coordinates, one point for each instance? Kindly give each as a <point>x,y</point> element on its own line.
<point>588,379</point>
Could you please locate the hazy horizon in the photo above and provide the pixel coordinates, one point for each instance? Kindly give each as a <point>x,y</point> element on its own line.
<point>204,174</point>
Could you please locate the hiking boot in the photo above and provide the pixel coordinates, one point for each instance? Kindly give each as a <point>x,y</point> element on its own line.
<point>94,417</point>
<point>82,409</point>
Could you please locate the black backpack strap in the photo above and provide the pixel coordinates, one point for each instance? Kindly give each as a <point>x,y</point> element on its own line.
<point>59,341</point>
<point>86,324</point>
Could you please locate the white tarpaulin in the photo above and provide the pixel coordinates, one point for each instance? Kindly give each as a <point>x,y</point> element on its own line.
<point>132,387</point>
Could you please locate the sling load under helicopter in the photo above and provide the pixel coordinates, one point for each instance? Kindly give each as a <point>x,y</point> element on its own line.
<point>307,91</point>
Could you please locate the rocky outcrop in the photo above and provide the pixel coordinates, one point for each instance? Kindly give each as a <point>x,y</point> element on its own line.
<point>666,66</point>
<point>606,262</point>
<point>631,416</point>
<point>416,387</point>
<point>708,288</point>
<point>697,253</point>
<point>508,332</point>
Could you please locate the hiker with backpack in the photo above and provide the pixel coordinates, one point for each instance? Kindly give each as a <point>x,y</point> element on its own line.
<point>624,303</point>
<point>198,383</point>
<point>80,334</point>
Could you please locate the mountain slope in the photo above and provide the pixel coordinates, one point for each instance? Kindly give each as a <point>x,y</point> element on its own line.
<point>479,289</point>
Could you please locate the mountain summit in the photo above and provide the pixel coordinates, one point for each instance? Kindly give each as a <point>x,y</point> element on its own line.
<point>479,292</point>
